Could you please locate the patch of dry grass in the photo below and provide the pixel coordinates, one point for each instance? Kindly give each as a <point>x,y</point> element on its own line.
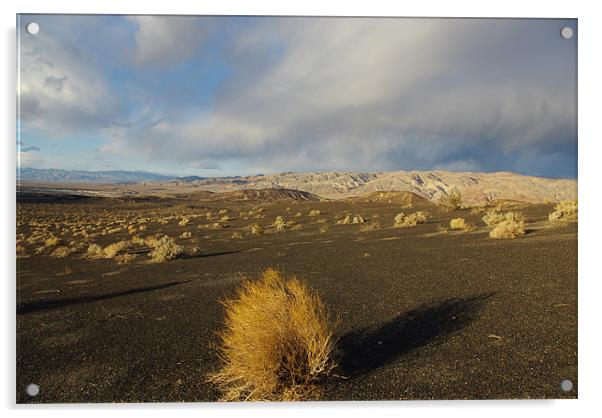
<point>277,342</point>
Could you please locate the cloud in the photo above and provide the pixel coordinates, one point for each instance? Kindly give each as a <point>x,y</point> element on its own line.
<point>320,94</point>
<point>380,94</point>
<point>166,40</point>
<point>62,88</point>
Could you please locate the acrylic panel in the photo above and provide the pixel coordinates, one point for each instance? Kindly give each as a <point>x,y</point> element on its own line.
<point>256,208</point>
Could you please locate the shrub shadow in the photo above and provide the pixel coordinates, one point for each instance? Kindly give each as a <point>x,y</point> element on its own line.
<point>364,350</point>
<point>41,305</point>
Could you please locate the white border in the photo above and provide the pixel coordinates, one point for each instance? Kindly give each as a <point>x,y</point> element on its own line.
<point>590,154</point>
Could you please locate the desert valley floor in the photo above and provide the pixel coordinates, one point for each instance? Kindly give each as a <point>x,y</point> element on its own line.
<point>424,312</point>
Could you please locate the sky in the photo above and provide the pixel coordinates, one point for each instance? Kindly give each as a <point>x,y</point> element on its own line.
<point>222,96</point>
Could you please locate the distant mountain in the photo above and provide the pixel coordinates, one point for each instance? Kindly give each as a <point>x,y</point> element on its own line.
<point>474,187</point>
<point>83,176</point>
<point>431,185</point>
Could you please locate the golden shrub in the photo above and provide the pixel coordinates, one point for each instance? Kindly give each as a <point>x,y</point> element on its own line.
<point>165,249</point>
<point>460,223</point>
<point>115,248</point>
<point>508,229</point>
<point>413,219</point>
<point>564,211</point>
<point>279,223</point>
<point>277,342</point>
<point>94,251</point>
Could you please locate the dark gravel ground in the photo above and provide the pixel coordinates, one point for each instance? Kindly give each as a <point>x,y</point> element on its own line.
<point>422,315</point>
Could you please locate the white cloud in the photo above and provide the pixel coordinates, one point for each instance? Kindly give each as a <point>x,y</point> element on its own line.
<point>381,94</point>
<point>61,88</point>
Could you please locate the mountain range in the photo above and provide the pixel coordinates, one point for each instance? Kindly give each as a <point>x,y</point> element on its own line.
<point>431,184</point>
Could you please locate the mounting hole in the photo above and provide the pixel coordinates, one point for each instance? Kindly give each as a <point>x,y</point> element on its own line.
<point>32,389</point>
<point>32,28</point>
<point>566,32</point>
<point>566,385</point>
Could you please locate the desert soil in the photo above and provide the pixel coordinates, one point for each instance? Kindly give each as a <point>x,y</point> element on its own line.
<point>421,314</point>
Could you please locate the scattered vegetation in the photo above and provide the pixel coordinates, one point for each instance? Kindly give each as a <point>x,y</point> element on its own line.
<point>277,342</point>
<point>358,220</point>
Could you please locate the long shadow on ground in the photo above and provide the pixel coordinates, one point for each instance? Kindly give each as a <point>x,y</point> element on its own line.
<point>26,307</point>
<point>364,350</point>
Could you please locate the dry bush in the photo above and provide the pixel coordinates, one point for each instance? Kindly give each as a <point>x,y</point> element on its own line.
<point>52,242</point>
<point>277,342</point>
<point>346,220</point>
<point>413,219</point>
<point>94,251</point>
<point>165,249</point>
<point>324,228</point>
<point>494,217</point>
<point>314,212</point>
<point>115,248</point>
<point>61,252</point>
<point>564,211</point>
<point>237,235</point>
<point>298,215</point>
<point>255,229</point>
<point>186,234</point>
<point>279,223</point>
<point>460,223</point>
<point>452,200</point>
<point>508,229</point>
<point>358,220</point>
<point>184,221</point>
